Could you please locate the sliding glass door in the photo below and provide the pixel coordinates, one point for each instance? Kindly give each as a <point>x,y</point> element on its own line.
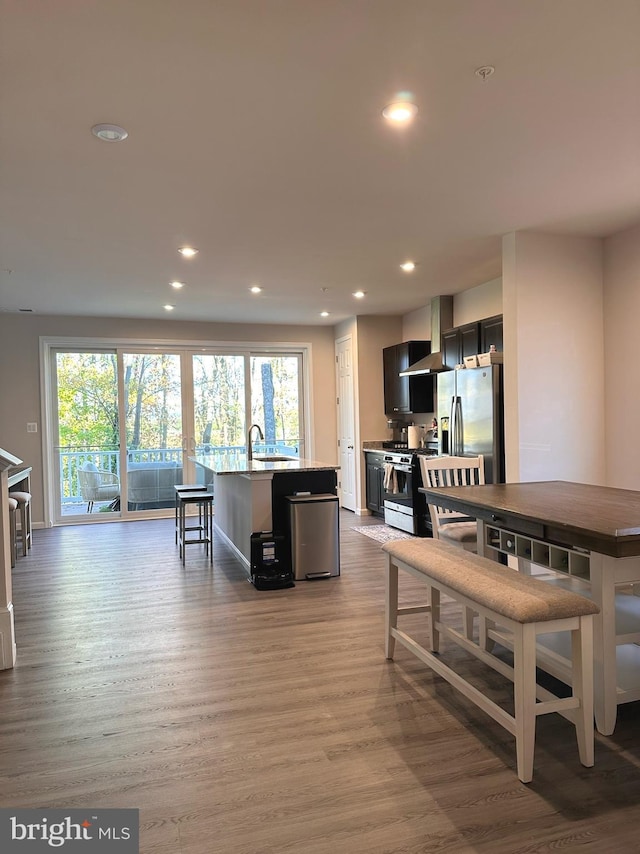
<point>231,392</point>
<point>219,408</point>
<point>275,402</point>
<point>153,460</point>
<point>126,423</point>
<point>85,440</point>
<point>118,435</point>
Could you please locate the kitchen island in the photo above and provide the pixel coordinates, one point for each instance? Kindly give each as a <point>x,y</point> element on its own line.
<point>250,495</point>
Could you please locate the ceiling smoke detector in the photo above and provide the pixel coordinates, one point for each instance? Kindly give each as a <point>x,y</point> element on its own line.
<point>484,71</point>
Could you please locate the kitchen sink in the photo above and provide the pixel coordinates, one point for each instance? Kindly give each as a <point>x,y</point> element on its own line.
<point>274,458</point>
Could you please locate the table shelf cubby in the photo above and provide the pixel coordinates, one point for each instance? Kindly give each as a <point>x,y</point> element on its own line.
<point>574,562</point>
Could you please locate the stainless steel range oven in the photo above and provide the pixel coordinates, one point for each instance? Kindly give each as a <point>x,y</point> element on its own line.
<point>398,491</point>
<point>404,506</point>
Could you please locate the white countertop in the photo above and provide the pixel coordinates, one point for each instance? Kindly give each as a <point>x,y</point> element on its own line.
<point>241,465</point>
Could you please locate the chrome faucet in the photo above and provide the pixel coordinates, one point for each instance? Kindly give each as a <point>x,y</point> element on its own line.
<point>249,440</point>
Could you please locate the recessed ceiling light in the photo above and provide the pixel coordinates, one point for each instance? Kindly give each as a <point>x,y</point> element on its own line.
<point>188,251</point>
<point>109,133</point>
<point>324,314</point>
<point>169,307</point>
<point>177,285</point>
<point>358,294</point>
<point>408,266</point>
<point>400,112</point>
<point>255,289</point>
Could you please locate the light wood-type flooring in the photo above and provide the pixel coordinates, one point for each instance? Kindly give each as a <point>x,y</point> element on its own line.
<point>249,722</point>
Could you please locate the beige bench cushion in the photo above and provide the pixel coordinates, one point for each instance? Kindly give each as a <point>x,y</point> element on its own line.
<point>505,591</point>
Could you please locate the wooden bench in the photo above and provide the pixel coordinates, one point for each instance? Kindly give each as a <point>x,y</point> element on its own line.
<point>525,607</point>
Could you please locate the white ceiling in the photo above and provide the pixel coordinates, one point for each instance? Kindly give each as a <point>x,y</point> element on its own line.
<point>255,134</point>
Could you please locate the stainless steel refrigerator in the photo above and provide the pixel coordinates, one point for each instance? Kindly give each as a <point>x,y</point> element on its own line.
<point>471,417</point>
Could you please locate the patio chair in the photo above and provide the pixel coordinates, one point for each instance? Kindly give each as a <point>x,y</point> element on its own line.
<point>97,485</point>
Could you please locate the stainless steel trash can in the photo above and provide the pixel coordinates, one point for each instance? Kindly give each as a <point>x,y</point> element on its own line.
<point>315,536</point>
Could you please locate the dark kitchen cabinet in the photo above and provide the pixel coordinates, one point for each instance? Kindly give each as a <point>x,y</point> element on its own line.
<point>470,339</point>
<point>375,482</point>
<point>459,342</point>
<point>403,395</point>
<point>491,334</point>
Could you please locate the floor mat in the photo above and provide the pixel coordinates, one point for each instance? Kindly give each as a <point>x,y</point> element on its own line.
<point>382,533</point>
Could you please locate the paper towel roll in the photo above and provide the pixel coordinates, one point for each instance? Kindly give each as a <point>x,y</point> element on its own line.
<point>413,437</point>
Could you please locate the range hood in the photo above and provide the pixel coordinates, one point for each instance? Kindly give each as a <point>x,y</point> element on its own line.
<point>441,319</point>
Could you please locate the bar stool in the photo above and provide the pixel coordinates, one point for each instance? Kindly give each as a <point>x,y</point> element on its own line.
<point>204,528</point>
<point>13,506</point>
<point>187,487</point>
<point>24,505</point>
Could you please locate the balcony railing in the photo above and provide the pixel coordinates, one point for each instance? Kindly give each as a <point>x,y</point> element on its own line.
<point>71,459</point>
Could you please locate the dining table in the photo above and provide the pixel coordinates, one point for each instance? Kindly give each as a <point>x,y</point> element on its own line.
<point>582,536</point>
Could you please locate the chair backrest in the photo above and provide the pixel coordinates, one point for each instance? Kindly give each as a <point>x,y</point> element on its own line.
<point>450,471</point>
<point>89,479</point>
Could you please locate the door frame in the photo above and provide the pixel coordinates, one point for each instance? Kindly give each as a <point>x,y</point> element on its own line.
<point>355,468</point>
<point>48,407</point>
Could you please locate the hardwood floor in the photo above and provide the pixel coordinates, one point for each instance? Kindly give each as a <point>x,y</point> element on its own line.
<point>266,722</point>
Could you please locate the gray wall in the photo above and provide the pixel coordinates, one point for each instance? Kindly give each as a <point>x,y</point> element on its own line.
<point>20,381</point>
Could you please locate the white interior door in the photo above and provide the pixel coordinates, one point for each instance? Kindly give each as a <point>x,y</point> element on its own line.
<point>346,423</point>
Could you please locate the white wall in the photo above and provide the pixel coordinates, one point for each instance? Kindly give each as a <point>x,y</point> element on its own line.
<point>20,372</point>
<point>416,326</point>
<point>622,357</point>
<point>484,300</point>
<point>374,333</point>
<point>554,357</point>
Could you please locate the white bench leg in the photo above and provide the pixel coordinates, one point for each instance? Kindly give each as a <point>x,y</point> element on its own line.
<point>582,682</point>
<point>391,607</point>
<point>484,627</point>
<point>467,622</point>
<point>434,634</point>
<point>524,683</point>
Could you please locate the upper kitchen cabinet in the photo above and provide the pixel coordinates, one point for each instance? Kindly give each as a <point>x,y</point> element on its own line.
<point>404,395</point>
<point>460,342</point>
<point>491,334</point>
<point>470,339</point>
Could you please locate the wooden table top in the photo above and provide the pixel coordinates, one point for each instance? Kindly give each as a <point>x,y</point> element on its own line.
<point>599,518</point>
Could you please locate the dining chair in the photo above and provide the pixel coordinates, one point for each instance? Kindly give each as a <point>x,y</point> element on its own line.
<point>23,512</point>
<point>449,525</point>
<point>13,507</point>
